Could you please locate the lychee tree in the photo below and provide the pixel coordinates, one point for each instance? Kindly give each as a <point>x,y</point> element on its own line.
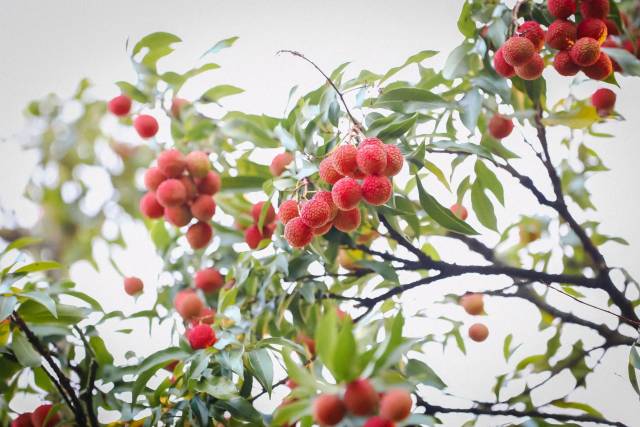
<point>290,272</point>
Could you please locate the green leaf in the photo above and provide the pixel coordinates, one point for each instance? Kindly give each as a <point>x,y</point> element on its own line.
<point>38,266</point>
<point>578,118</point>
<point>155,41</point>
<point>326,337</point>
<point>25,353</point>
<point>489,180</point>
<point>634,367</point>
<point>440,214</point>
<point>151,364</point>
<point>470,106</point>
<point>218,92</point>
<point>241,409</point>
<point>466,25</point>
<point>262,367</point>
<point>242,183</point>
<point>419,371</point>
<point>629,63</point>
<point>222,44</point>
<point>160,236</point>
<point>133,92</point>
<point>384,269</point>
<point>21,243</point>
<point>413,59</point>
<point>218,387</point>
<point>483,207</point>
<point>287,414</point>
<point>298,374</point>
<point>7,304</point>
<point>345,352</point>
<point>410,100</point>
<point>577,405</point>
<point>43,299</point>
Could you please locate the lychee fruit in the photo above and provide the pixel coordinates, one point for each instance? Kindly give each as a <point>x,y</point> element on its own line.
<point>395,160</point>
<point>612,27</point>
<point>345,159</point>
<point>177,105</point>
<point>328,199</point>
<point>594,28</point>
<point>172,163</point>
<point>585,52</point>
<point>22,420</point>
<point>327,172</point>
<point>561,34</point>
<point>201,336</point>
<point>518,51</point>
<point>500,126</point>
<point>532,69</point>
<point>459,211</point>
<point>604,101</point>
<point>256,209</point>
<point>206,316</point>
<point>209,280</point>
<point>171,193</point>
<point>178,215</point>
<point>478,332</point>
<point>602,68</point>
<point>288,210</point>
<point>153,177</point>
<point>376,190</point>
<point>372,140</point>
<point>322,230</point>
<point>210,184</point>
<point>280,163</point>
<point>534,32</point>
<point>190,186</point>
<point>297,233</point>
<point>328,410</point>
<point>372,158</point>
<point>253,236</point>
<point>199,235</point>
<point>501,66</point>
<point>150,207</point>
<point>120,105</point>
<point>203,207</point>
<point>188,304</point>
<point>564,65</point>
<point>361,398</point>
<point>145,125</point>
<point>395,405</point>
<point>378,422</point>
<point>346,193</point>
<point>594,8</point>
<point>347,221</point>
<point>41,414</point>
<point>315,213</point>
<point>472,303</point>
<point>561,8</point>
<point>198,164</point>
<point>133,285</point>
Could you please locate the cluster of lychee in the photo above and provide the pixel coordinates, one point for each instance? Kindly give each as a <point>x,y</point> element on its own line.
<point>144,124</point>
<point>473,304</point>
<point>253,235</point>
<point>38,418</point>
<point>577,43</point>
<point>181,189</point>
<point>355,174</point>
<point>363,400</point>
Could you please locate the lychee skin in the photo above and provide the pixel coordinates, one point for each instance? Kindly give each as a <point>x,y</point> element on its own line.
<point>585,52</point>
<point>532,70</point>
<point>190,186</point>
<point>22,420</point>
<point>561,34</point>
<point>612,27</point>
<point>297,233</point>
<point>395,160</point>
<point>153,177</point>
<point>328,199</point>
<point>594,28</point>
<point>146,125</point>
<point>280,163</point>
<point>346,193</point>
<point>594,8</point>
<point>347,221</point>
<point>150,207</point>
<point>518,51</point>
<point>253,236</point>
<point>564,65</point>
<point>40,414</point>
<point>501,66</point>
<point>198,164</point>
<point>500,126</point>
<point>376,190</point>
<point>328,410</point>
<point>120,105</point>
<point>203,207</point>
<point>209,280</point>
<point>287,211</point>
<point>210,184</point>
<point>534,32</point>
<point>604,101</point>
<point>372,159</point>
<point>133,285</point>
<point>361,398</point>
<point>602,68</point>
<point>178,215</point>
<point>395,405</point>
<point>378,422</point>
<point>199,235</point>
<point>478,332</point>
<point>177,104</point>
<point>372,140</point>
<point>207,316</point>
<point>172,163</point>
<point>561,8</point>
<point>201,336</point>
<point>459,211</point>
<point>321,231</point>
<point>188,304</point>
<point>472,303</point>
<point>256,209</point>
<point>315,213</point>
<point>171,193</point>
<point>327,172</point>
<point>345,159</point>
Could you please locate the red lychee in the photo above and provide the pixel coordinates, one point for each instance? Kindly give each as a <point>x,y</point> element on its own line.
<point>532,69</point>
<point>612,27</point>
<point>602,68</point>
<point>478,332</point>
<point>534,32</point>
<point>150,207</point>
<point>171,193</point>
<point>376,190</point>
<point>190,186</point>
<point>347,221</point>
<point>320,231</point>
<point>145,125</point>
<point>178,215</point>
<point>459,211</point>
<point>346,193</point>
<point>209,280</point>
<point>177,105</point>
<point>594,28</point>
<point>585,52</point>
<point>188,304</point>
<point>172,163</point>
<point>395,405</point>
<point>297,233</point>
<point>518,51</point>
<point>41,414</point>
<point>287,211</point>
<point>604,100</point>
<point>378,422</point>
<point>253,236</point>
<point>501,66</point>
<point>344,159</point>
<point>22,420</point>
<point>280,163</point>
<point>328,410</point>
<point>472,303</point>
<point>199,235</point>
<point>594,8</point>
<point>372,158</point>
<point>315,213</point>
<point>210,184</point>
<point>564,65</point>
<point>270,215</point>
<point>561,34</point>
<point>201,336</point>
<point>328,199</point>
<point>395,160</point>
<point>153,177</point>
<point>120,105</point>
<point>207,316</point>
<point>203,207</point>
<point>327,172</point>
<point>361,398</point>
<point>198,164</point>
<point>500,126</point>
<point>561,8</point>
<point>133,285</point>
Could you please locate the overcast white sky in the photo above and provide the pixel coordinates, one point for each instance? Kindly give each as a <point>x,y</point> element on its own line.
<point>49,46</point>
